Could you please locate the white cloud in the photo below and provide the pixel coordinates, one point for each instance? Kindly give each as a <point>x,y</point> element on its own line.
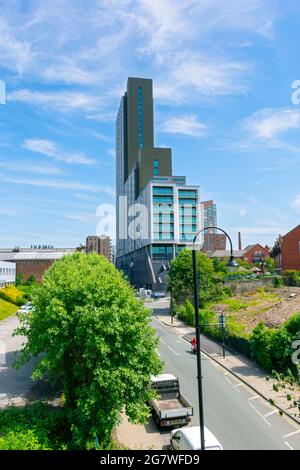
<point>59,184</point>
<point>64,101</point>
<point>51,149</point>
<point>112,153</point>
<point>67,71</point>
<point>15,53</point>
<point>22,166</point>
<point>269,124</point>
<point>84,217</point>
<point>210,77</point>
<point>94,46</point>
<point>187,124</point>
<point>8,212</point>
<point>296,202</point>
<point>259,230</point>
<point>242,211</point>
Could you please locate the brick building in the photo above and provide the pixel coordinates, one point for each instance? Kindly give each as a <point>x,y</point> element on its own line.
<point>100,245</point>
<point>33,261</point>
<point>213,240</point>
<point>286,251</point>
<point>252,254</point>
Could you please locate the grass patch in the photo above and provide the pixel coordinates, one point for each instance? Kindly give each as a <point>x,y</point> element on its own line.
<point>7,309</point>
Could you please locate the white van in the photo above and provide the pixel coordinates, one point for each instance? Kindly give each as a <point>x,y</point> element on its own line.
<point>189,439</point>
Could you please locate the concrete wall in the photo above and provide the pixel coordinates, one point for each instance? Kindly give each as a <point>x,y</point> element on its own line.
<point>146,164</point>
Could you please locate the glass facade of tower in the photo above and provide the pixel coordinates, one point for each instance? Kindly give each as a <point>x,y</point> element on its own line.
<point>188,200</point>
<point>163,213</point>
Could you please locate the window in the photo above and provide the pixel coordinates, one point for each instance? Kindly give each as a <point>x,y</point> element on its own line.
<point>140,115</point>
<point>168,190</point>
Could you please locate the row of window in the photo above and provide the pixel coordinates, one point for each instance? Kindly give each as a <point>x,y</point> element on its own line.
<point>140,115</point>
<point>187,193</point>
<point>164,236</point>
<point>157,190</point>
<point>161,250</point>
<point>7,271</point>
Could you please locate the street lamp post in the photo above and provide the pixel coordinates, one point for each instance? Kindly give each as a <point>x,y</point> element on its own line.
<point>231,263</point>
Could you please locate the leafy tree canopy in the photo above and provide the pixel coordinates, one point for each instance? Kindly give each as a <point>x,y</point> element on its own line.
<point>181,275</point>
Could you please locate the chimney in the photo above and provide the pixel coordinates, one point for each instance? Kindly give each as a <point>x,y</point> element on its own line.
<point>240,241</point>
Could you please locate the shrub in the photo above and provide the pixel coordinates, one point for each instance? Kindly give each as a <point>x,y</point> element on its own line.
<point>35,427</point>
<point>292,277</point>
<point>278,281</point>
<point>272,348</point>
<point>292,325</point>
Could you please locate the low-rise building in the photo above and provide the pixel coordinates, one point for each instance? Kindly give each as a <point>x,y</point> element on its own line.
<point>33,261</point>
<point>7,273</point>
<point>286,251</point>
<point>252,254</point>
<point>100,245</point>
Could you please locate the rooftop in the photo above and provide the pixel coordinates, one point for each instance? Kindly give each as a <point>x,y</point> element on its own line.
<point>29,254</point>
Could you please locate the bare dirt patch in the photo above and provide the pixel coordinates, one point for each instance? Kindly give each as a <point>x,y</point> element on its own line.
<point>272,307</point>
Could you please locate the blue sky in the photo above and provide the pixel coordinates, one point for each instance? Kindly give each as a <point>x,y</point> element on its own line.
<point>223,75</point>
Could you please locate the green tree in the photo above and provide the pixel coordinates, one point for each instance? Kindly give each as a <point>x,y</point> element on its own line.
<point>31,280</point>
<point>19,279</point>
<point>270,265</point>
<point>181,276</point>
<point>96,342</point>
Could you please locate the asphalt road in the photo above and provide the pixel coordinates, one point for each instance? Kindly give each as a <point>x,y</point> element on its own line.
<point>238,418</point>
<point>14,384</point>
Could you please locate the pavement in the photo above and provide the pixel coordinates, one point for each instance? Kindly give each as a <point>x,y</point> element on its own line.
<point>16,386</point>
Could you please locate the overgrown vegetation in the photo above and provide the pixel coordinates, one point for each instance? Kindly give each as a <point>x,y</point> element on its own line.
<point>97,345</point>
<point>35,427</point>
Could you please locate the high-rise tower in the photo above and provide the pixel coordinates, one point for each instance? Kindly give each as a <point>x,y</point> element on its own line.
<point>157,213</point>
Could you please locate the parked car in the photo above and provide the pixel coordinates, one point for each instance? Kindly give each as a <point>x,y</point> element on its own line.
<point>189,439</point>
<point>25,308</point>
<point>158,295</point>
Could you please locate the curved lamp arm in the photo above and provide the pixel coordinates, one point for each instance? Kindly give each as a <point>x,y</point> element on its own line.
<point>221,230</point>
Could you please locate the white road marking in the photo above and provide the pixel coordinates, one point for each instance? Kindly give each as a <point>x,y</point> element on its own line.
<point>259,414</point>
<point>253,398</point>
<point>271,413</point>
<point>233,385</point>
<point>291,434</point>
<point>239,384</point>
<point>171,349</point>
<point>226,373</point>
<point>289,445</point>
<point>162,341</point>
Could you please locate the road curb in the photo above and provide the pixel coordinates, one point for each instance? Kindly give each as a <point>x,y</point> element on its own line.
<point>288,415</point>
<point>167,324</point>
